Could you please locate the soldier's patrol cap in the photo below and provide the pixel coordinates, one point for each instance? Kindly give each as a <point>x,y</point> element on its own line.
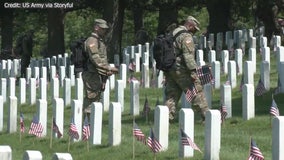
<point>101,23</point>
<point>193,20</point>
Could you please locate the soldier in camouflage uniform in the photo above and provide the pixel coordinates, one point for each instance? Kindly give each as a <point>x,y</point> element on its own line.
<point>183,74</point>
<point>98,68</point>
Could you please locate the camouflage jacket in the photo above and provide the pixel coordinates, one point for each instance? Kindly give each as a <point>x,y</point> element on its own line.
<point>185,44</point>
<point>96,49</point>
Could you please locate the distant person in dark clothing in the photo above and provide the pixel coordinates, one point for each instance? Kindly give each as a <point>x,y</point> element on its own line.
<point>24,48</point>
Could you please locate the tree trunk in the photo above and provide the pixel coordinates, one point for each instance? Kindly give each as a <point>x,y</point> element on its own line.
<point>267,12</point>
<point>56,32</point>
<point>219,15</point>
<point>7,30</point>
<point>137,18</point>
<point>114,14</point>
<point>167,16</point>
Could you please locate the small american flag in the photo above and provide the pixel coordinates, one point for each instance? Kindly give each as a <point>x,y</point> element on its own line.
<point>22,124</point>
<point>255,153</point>
<point>260,89</point>
<point>146,108</point>
<point>138,133</point>
<point>86,130</point>
<point>73,132</point>
<point>190,93</point>
<point>56,129</point>
<point>228,82</point>
<point>132,66</point>
<point>186,140</point>
<point>132,78</point>
<point>36,128</point>
<point>154,145</point>
<point>274,111</point>
<point>204,74</point>
<point>223,111</point>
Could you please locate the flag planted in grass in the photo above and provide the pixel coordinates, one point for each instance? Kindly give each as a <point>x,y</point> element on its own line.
<point>73,132</point>
<point>36,128</point>
<point>152,142</point>
<point>132,66</point>
<point>260,89</point>
<point>255,153</point>
<point>132,78</point>
<point>22,124</point>
<point>274,111</point>
<point>56,129</point>
<point>223,111</point>
<point>139,135</point>
<point>86,129</point>
<point>186,140</point>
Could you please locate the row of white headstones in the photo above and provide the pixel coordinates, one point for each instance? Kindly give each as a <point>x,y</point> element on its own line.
<point>228,67</point>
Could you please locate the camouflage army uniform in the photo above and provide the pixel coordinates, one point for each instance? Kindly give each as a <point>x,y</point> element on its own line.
<point>96,73</point>
<point>181,76</point>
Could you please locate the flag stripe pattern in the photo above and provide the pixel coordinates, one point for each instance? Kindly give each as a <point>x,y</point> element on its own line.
<point>22,124</point>
<point>260,89</point>
<point>86,129</point>
<point>224,113</point>
<point>56,129</point>
<point>186,140</point>
<point>154,145</point>
<point>139,135</point>
<point>132,78</point>
<point>191,93</point>
<point>255,153</point>
<point>204,74</point>
<point>274,111</point>
<point>73,132</point>
<point>36,128</point>
<point>132,66</point>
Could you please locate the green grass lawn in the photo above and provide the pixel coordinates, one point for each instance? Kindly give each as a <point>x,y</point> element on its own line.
<point>235,132</point>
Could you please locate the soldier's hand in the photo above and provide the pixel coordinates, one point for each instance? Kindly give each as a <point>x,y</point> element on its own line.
<point>114,70</point>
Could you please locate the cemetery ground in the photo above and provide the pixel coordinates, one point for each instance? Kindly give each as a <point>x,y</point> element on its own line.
<point>235,132</point>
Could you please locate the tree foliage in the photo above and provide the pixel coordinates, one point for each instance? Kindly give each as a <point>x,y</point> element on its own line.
<point>127,16</point>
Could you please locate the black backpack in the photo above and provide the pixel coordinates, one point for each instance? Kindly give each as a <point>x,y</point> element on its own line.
<point>164,51</point>
<point>79,56</point>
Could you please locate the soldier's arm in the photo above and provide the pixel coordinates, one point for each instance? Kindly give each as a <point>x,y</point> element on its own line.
<point>98,60</point>
<point>187,47</point>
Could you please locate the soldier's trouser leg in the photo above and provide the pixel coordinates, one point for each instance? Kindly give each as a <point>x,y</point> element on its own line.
<point>172,93</point>
<point>200,99</point>
<point>92,87</point>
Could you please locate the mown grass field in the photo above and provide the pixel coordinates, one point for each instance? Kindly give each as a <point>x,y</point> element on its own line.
<point>235,132</point>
